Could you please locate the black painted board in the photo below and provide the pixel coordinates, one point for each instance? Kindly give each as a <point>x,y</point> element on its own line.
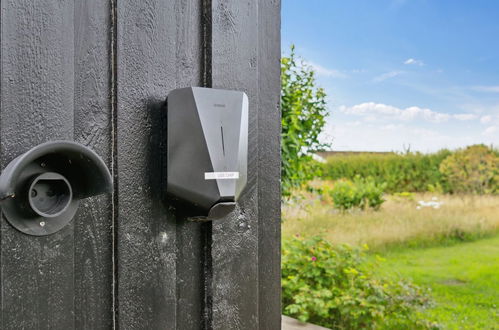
<point>57,60</point>
<point>146,237</point>
<point>159,254</point>
<point>37,94</point>
<point>190,235</point>
<point>93,245</point>
<point>269,161</point>
<point>234,250</point>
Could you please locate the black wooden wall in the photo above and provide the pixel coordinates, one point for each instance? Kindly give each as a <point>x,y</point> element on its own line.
<point>97,72</point>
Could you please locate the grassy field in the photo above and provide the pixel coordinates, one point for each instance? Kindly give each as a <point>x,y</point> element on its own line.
<point>451,245</point>
<point>400,222</point>
<point>464,279</point>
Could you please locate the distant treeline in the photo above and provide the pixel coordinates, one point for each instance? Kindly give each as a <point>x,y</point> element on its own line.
<point>473,169</point>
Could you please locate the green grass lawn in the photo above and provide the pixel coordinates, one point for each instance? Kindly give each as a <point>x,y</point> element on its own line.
<point>464,279</point>
<point>454,250</point>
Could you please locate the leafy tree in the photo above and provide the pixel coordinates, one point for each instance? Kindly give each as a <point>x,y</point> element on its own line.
<point>474,169</point>
<point>303,109</point>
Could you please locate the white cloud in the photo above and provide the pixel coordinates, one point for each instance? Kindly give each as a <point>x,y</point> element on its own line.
<point>387,75</point>
<point>391,127</point>
<point>399,137</point>
<point>491,130</point>
<point>488,112</point>
<point>412,61</point>
<point>486,89</point>
<point>464,116</point>
<point>326,72</point>
<point>486,119</point>
<point>353,123</point>
<point>372,111</point>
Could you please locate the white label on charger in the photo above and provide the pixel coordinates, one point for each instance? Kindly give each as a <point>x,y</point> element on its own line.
<point>221,175</point>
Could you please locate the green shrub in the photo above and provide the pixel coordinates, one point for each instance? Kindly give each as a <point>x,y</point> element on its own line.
<point>345,195</point>
<point>334,287</point>
<point>361,193</point>
<point>414,172</point>
<point>370,192</point>
<point>474,169</point>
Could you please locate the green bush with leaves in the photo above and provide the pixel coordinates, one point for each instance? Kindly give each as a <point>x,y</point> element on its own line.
<point>370,192</point>
<point>303,111</point>
<point>335,287</point>
<point>359,193</point>
<point>474,169</point>
<point>345,195</point>
<point>414,172</point>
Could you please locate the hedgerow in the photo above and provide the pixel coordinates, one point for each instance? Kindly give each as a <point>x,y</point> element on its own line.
<point>413,172</point>
<point>474,169</point>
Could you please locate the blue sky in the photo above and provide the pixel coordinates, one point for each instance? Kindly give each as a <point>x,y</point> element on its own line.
<point>400,73</point>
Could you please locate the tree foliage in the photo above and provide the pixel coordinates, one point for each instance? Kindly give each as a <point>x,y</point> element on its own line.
<point>474,169</point>
<point>303,110</point>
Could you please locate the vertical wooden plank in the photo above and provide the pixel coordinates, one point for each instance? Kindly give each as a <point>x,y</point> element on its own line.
<point>37,75</point>
<point>93,223</point>
<point>189,259</point>
<point>269,164</point>
<point>159,256</point>
<point>234,61</point>
<point>146,236</point>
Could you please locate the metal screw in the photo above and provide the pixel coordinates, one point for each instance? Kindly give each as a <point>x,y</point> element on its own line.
<point>42,223</point>
<point>42,164</point>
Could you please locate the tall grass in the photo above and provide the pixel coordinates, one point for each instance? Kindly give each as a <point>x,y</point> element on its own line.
<point>401,172</point>
<point>399,222</point>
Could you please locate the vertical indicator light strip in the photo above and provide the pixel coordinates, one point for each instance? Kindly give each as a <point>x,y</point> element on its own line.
<point>223,144</point>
